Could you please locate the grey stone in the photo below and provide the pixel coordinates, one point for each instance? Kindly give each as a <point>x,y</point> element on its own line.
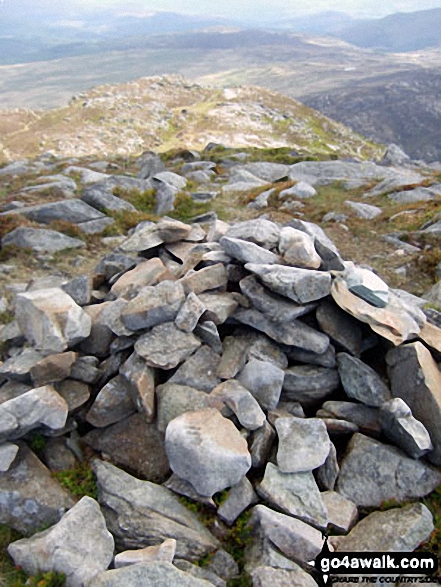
<point>218,307</point>
<point>163,552</point>
<point>165,346</point>
<point>295,539</point>
<point>247,252</point>
<point>298,249</point>
<point>234,356</point>
<point>364,211</point>
<point>394,155</point>
<point>182,487</point>
<point>134,444</point>
<point>159,574</point>
<point>327,474</point>
<point>419,194</point>
<point>53,368</point>
<point>208,333</point>
<point>223,564</point>
<point>57,456</point>
<point>39,406</point>
<point>342,513</point>
<point>372,472</point>
<point>263,348</point>
<point>100,197</point>
<point>290,333</point>
<point>396,530</point>
<point>141,380</point>
<point>262,441</point>
<point>241,402</point>
<point>261,201</point>
<point>75,393</point>
<point>146,273</point>
<point>415,378</point>
<point>365,418</point>
<point>112,404</point>
<point>267,171</point>
<point>114,263</point>
<point>8,452</point>
<point>18,367</point>
<point>260,232</point>
<point>174,400</point>
<point>361,382</point>
<point>165,198</point>
<point>141,513</point>
<point>308,383</point>
<point>150,163</point>
<point>50,319</point>
<point>29,496</point>
<point>295,494</point>
<point>74,211</point>
<point>303,444</point>
<point>264,380</point>
<point>173,179</point>
<point>58,548</point>
<point>189,313</point>
<point>87,175</point>
<point>85,369</point>
<point>152,235</point>
<point>300,285</point>
<point>153,306</point>
<point>96,226</point>
<point>211,277</point>
<point>79,289</point>
<point>326,359</point>
<point>41,240</point>
<point>101,336</point>
<point>403,429</point>
<point>200,572</point>
<point>340,326</point>
<point>300,190</point>
<point>199,370</point>
<point>275,307</point>
<point>240,497</point>
<point>207,450</point>
<point>323,245</point>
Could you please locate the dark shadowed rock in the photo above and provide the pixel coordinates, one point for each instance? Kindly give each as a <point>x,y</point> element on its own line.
<point>361,382</point>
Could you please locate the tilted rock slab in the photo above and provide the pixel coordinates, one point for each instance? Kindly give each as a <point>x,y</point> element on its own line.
<point>373,472</point>
<point>162,552</point>
<point>416,379</point>
<point>361,382</point>
<point>207,450</point>
<point>50,319</point>
<point>165,346</point>
<point>30,410</point>
<point>141,513</point>
<point>396,530</point>
<point>79,546</point>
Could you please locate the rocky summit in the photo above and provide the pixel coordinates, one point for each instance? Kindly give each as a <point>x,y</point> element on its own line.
<point>213,395</point>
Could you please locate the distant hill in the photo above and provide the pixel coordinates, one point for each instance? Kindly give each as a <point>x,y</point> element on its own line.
<point>163,113</point>
<point>410,31</point>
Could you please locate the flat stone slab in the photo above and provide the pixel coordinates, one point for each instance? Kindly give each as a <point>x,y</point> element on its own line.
<point>309,383</point>
<point>303,444</point>
<point>141,513</point>
<point>30,497</point>
<point>361,382</point>
<point>264,381</point>
<point>373,472</point>
<point>74,211</point>
<point>300,285</point>
<point>295,494</point>
<point>260,232</point>
<point>58,548</point>
<point>207,450</point>
<point>165,346</point>
<point>41,240</point>
<point>396,530</point>
<point>159,574</point>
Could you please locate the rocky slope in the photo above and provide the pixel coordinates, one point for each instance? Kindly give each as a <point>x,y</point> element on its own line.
<point>219,392</point>
<point>165,112</point>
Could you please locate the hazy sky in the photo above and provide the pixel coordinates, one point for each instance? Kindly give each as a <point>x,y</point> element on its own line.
<point>269,8</point>
<point>233,9</point>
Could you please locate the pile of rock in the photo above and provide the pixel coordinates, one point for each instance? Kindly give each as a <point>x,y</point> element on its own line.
<point>200,359</point>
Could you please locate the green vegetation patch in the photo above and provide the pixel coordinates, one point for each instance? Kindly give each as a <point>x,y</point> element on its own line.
<point>80,481</point>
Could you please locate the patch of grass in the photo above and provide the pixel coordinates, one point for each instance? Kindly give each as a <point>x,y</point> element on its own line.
<point>6,317</point>
<point>16,253</point>
<point>186,208</point>
<point>433,503</point>
<point>125,220</point>
<point>67,228</point>
<point>143,201</point>
<point>37,442</point>
<point>10,576</point>
<point>80,481</point>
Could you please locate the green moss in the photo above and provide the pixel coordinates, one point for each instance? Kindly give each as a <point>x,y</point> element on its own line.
<point>143,201</point>
<point>186,208</point>
<point>37,442</point>
<point>80,481</point>
<point>10,576</point>
<point>6,317</point>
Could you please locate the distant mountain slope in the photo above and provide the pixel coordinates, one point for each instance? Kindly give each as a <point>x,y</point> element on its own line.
<point>403,108</point>
<point>410,31</point>
<point>162,113</point>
